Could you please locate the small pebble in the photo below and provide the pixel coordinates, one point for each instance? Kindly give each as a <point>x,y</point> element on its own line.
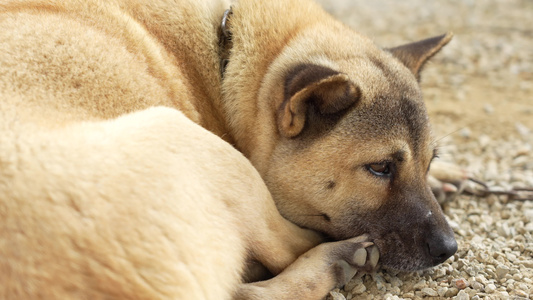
<point>528,215</point>
<point>522,129</point>
<point>501,271</point>
<point>477,286</point>
<point>359,289</point>
<point>489,109</point>
<point>462,295</point>
<point>337,296</point>
<point>420,285</point>
<point>461,283</point>
<point>441,291</point>
<point>502,295</point>
<point>490,288</point>
<point>521,293</point>
<point>465,132</point>
<point>451,292</point>
<point>429,292</point>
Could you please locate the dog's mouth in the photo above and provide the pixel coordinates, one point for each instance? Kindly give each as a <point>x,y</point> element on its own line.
<point>397,254</point>
<point>405,243</point>
<point>404,248</point>
<point>414,253</point>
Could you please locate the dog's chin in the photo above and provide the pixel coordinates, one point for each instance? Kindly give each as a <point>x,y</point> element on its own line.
<point>396,256</point>
<point>404,265</point>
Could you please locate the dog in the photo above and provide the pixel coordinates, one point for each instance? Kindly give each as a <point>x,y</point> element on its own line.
<point>177,149</point>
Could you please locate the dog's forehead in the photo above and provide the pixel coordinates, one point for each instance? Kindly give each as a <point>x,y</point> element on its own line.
<point>391,104</point>
<point>377,74</point>
<point>391,119</point>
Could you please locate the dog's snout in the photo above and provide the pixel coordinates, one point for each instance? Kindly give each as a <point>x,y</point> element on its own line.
<point>441,247</point>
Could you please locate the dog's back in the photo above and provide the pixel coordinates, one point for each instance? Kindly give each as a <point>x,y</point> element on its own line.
<point>74,59</point>
<point>73,226</point>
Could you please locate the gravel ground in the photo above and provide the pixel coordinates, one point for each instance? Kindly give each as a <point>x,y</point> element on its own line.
<point>479,93</point>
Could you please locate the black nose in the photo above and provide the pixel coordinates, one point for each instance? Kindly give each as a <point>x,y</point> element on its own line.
<point>441,247</point>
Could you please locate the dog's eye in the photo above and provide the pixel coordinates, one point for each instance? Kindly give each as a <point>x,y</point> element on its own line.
<point>382,169</point>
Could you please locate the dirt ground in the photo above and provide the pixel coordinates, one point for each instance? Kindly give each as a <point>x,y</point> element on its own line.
<point>479,94</point>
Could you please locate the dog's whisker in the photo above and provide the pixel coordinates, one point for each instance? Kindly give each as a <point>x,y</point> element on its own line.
<point>437,140</point>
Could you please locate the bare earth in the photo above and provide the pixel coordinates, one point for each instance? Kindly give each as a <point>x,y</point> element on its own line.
<point>479,93</point>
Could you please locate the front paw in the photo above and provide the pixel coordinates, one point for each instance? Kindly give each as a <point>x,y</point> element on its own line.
<point>447,180</point>
<point>354,255</point>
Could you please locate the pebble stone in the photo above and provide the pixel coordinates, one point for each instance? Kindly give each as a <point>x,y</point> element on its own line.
<point>521,293</point>
<point>490,288</point>
<point>337,296</point>
<point>462,295</point>
<point>429,292</point>
<point>359,289</point>
<point>461,283</point>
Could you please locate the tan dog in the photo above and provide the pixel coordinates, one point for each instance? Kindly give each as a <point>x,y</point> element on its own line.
<point>103,195</point>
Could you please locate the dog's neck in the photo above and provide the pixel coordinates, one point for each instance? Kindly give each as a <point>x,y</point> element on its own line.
<point>251,43</point>
<point>248,53</point>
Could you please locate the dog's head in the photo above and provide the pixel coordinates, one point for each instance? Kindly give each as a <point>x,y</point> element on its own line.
<point>354,148</point>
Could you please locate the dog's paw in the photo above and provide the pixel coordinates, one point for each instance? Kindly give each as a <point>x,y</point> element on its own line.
<point>353,256</point>
<point>447,180</point>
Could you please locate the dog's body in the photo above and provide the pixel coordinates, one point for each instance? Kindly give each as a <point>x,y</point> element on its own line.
<point>104,196</point>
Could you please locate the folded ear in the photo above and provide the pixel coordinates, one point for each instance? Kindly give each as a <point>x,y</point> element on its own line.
<point>327,90</point>
<point>415,55</point>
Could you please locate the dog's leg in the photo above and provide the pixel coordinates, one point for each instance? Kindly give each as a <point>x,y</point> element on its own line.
<point>273,241</point>
<point>277,243</point>
<point>316,272</point>
<point>446,180</point>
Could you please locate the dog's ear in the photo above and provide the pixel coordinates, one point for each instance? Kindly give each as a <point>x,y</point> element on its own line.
<point>415,55</point>
<point>327,90</point>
